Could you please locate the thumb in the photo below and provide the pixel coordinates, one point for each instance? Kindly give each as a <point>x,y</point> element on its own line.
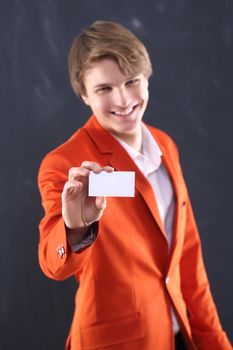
<point>100,203</point>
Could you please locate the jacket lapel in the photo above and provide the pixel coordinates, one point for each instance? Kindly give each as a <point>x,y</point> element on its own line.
<point>179,192</point>
<point>115,155</point>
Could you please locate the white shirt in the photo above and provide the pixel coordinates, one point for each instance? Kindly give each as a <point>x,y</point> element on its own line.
<point>150,163</point>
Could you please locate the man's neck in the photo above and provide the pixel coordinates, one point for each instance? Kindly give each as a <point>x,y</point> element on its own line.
<point>134,140</point>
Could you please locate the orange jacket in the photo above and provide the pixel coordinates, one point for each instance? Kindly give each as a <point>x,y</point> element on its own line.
<point>128,280</point>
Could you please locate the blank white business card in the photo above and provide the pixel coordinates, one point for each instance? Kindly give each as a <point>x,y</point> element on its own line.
<point>115,184</point>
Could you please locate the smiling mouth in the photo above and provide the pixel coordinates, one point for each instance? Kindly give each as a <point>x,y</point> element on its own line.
<point>125,113</point>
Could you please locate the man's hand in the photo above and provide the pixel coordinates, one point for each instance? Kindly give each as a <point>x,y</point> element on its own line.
<point>78,210</point>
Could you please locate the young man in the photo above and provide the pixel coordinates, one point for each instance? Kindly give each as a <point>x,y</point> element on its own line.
<point>143,284</point>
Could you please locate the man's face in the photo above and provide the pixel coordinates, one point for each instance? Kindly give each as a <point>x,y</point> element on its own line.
<point>118,101</point>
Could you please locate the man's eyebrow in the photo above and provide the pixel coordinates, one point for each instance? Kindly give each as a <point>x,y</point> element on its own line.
<point>130,77</point>
<point>101,85</point>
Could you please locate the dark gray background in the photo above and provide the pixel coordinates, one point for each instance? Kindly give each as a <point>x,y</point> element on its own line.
<point>191,46</point>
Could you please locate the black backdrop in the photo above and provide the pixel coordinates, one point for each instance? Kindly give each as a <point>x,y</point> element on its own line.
<point>191,45</point>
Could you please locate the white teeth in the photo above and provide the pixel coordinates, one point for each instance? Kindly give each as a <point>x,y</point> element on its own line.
<point>124,113</point>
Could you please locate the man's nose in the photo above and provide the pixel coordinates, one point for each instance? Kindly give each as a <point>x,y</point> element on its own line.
<point>122,98</point>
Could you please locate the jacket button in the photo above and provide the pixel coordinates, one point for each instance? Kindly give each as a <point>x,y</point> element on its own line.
<point>60,250</point>
<point>167,279</point>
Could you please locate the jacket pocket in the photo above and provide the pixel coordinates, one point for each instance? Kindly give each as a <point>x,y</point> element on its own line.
<point>116,331</point>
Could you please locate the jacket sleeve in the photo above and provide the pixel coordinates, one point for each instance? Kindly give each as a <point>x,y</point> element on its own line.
<point>57,260</point>
<point>203,317</point>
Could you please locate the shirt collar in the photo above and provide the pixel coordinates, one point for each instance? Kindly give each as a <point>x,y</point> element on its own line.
<point>151,151</point>
<point>150,147</point>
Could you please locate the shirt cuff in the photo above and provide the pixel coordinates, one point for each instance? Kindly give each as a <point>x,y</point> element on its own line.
<point>88,240</point>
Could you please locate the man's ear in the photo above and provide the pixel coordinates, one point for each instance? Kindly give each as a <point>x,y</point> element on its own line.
<point>85,100</point>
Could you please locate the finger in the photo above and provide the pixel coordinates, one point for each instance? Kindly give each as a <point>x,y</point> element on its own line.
<point>108,168</point>
<point>70,187</point>
<point>95,167</point>
<point>78,173</point>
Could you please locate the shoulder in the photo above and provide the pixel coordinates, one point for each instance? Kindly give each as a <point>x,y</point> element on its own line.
<point>69,154</point>
<point>164,140</point>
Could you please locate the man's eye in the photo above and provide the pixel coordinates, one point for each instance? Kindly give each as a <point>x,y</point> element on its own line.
<point>103,89</point>
<point>132,82</point>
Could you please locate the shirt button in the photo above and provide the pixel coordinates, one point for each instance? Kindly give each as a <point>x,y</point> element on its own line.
<point>167,279</point>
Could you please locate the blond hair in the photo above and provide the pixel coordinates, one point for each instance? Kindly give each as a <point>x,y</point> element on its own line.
<point>104,39</point>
